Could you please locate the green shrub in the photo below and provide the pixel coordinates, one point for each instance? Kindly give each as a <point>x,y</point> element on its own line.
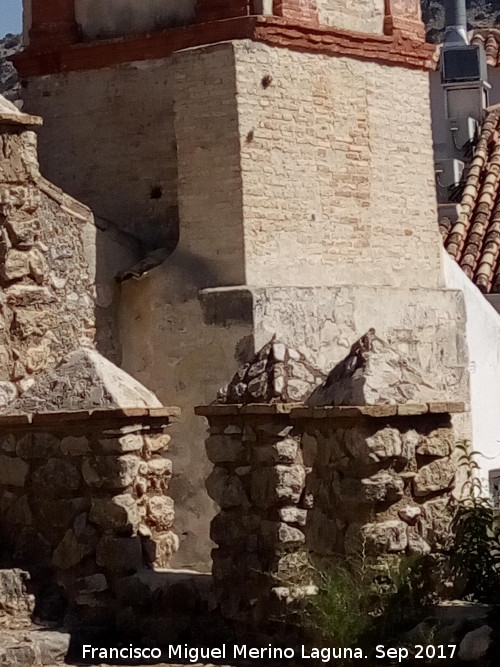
<point>476,556</point>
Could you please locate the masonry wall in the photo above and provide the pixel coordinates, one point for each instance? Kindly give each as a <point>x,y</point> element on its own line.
<point>362,16</point>
<point>124,115</point>
<point>46,281</point>
<point>332,482</point>
<point>84,502</point>
<point>330,164</point>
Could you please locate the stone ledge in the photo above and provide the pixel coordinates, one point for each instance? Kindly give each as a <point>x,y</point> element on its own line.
<point>275,31</point>
<point>331,412</point>
<point>168,414</point>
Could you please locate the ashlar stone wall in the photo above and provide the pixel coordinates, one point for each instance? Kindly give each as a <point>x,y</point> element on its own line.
<point>297,486</point>
<point>84,500</point>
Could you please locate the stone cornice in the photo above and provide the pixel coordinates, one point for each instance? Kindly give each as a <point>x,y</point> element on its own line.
<point>300,411</point>
<point>394,49</point>
<point>165,415</point>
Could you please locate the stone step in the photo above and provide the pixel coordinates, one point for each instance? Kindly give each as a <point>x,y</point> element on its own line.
<point>16,603</point>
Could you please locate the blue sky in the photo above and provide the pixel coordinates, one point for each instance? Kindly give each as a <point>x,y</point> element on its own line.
<point>10,16</point>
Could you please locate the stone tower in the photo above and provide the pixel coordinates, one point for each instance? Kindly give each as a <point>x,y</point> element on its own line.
<point>268,166</point>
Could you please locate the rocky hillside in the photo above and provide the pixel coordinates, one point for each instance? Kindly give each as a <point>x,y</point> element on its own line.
<point>9,83</point>
<point>480,14</point>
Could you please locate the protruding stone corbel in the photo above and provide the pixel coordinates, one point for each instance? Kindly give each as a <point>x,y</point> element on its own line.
<point>405,17</point>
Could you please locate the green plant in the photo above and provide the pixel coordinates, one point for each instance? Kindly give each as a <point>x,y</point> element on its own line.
<point>361,600</point>
<point>477,544</point>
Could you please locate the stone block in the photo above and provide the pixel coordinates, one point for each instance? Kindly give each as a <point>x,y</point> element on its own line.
<point>293,515</point>
<point>60,513</point>
<point>383,487</point>
<point>75,446</point>
<point>15,265</point>
<point>278,533</point>
<point>8,442</point>
<point>309,449</point>
<point>8,393</point>
<point>131,442</point>
<point>283,451</point>
<point>13,471</point>
<point>160,550</point>
<point>385,537</point>
<point>279,485</point>
<point>14,599</point>
<point>110,472</point>
<point>440,442</point>
<point>120,513</point>
<point>37,446</point>
<point>437,531</point>
<point>119,554</point>
<point>410,514</point>
<point>436,476</point>
<point>225,449</point>
<point>417,545</point>
<point>157,443</point>
<point>57,476</point>
<point>160,512</point>
<point>226,489</point>
<point>69,552</point>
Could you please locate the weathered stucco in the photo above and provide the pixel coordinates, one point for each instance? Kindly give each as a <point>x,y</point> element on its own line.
<point>96,18</point>
<point>124,115</point>
<point>362,15</point>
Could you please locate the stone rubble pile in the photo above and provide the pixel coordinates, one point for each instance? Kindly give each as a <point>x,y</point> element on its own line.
<point>276,374</point>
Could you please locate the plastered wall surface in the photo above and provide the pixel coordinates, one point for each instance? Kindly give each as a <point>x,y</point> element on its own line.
<point>362,15</point>
<point>123,115</point>
<point>336,157</point>
<point>121,17</point>
<point>483,340</point>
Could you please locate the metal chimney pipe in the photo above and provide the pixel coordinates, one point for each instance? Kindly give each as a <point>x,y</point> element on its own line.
<point>455,23</point>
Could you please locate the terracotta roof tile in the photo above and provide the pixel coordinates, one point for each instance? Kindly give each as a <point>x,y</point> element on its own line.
<point>474,239</point>
<point>490,39</point>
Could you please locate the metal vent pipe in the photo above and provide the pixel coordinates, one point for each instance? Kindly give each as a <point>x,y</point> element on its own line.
<point>455,22</point>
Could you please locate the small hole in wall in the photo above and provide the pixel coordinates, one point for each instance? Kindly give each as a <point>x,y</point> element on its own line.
<point>266,81</point>
<point>156,192</point>
<point>250,137</point>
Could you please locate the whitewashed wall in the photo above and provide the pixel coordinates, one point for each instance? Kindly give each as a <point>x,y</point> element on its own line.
<point>483,338</point>
<point>109,18</point>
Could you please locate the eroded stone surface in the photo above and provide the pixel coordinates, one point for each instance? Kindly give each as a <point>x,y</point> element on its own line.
<point>373,373</point>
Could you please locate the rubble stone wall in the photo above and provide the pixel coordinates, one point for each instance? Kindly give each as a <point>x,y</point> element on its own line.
<point>46,286</point>
<point>298,486</point>
<point>84,499</point>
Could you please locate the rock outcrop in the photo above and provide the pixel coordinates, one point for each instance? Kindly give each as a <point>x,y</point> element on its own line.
<point>10,86</point>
